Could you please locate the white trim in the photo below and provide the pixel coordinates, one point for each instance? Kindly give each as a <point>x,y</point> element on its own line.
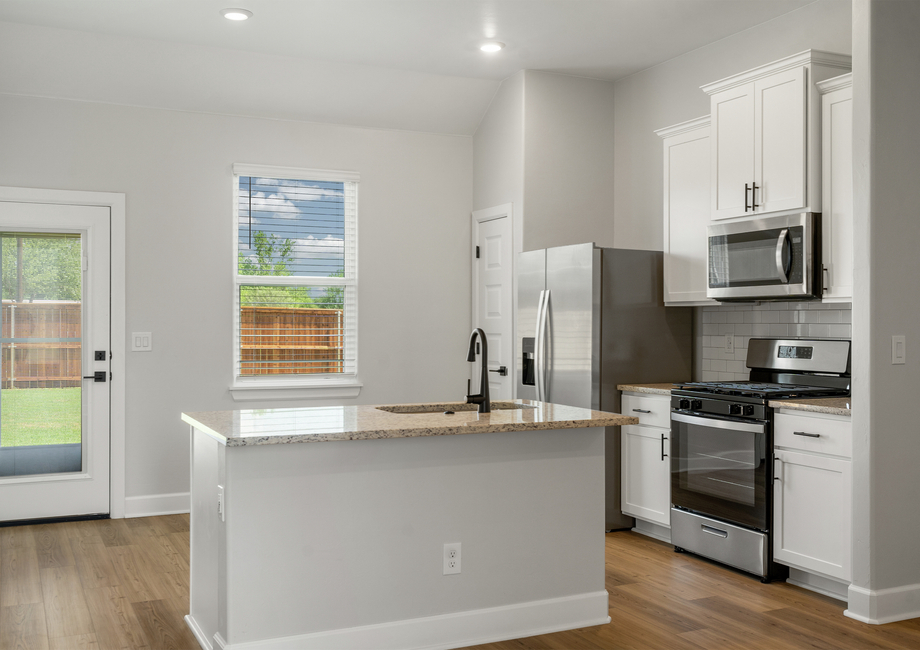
<point>816,57</point>
<point>199,634</point>
<point>653,530</point>
<point>880,606</point>
<point>835,83</point>
<point>117,317</point>
<point>450,630</point>
<point>684,127</point>
<point>817,583</point>
<point>154,505</point>
<point>295,173</point>
<point>318,390</point>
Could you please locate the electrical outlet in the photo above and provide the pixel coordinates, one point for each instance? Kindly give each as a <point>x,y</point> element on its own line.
<point>729,342</point>
<point>451,558</point>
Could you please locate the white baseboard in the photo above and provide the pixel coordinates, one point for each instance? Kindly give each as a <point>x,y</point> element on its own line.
<point>200,636</point>
<point>819,584</point>
<point>651,529</point>
<point>449,630</point>
<point>158,504</point>
<point>880,606</point>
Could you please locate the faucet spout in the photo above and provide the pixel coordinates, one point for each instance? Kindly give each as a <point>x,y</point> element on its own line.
<point>482,397</point>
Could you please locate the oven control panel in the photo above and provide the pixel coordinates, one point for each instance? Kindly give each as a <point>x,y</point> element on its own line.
<point>724,407</point>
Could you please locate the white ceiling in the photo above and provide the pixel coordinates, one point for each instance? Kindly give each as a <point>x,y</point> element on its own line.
<point>382,54</point>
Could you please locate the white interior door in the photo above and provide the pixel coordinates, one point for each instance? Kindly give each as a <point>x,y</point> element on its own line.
<point>54,421</point>
<point>493,306</point>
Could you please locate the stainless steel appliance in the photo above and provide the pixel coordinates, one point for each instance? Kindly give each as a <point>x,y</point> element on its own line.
<point>722,449</point>
<point>775,258</point>
<point>588,319</point>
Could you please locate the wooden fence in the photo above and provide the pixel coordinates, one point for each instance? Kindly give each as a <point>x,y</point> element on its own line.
<point>279,341</point>
<point>51,361</point>
<point>41,346</point>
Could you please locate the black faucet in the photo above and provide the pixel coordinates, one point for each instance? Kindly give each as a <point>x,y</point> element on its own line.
<point>482,398</point>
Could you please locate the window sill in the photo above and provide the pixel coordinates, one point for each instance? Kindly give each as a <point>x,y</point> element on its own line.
<point>267,390</point>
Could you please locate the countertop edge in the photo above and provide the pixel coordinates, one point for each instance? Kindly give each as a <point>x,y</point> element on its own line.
<point>811,406</point>
<point>648,389</point>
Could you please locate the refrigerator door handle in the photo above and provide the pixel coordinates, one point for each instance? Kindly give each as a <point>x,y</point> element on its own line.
<point>538,348</point>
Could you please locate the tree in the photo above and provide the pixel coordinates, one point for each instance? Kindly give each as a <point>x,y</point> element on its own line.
<point>51,268</point>
<point>333,297</point>
<point>272,256</point>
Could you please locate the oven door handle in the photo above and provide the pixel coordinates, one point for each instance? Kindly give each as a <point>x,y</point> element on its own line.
<point>719,424</point>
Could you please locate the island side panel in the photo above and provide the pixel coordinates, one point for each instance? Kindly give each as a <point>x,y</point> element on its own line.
<point>345,534</point>
<point>205,529</point>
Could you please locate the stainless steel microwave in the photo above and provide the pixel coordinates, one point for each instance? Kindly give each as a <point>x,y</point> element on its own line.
<point>774,258</point>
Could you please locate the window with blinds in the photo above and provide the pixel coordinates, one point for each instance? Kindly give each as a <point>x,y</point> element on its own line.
<point>296,273</point>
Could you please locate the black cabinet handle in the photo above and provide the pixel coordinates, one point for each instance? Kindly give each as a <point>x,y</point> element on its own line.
<point>754,196</point>
<point>746,190</point>
<point>663,455</point>
<point>807,435</point>
<point>640,411</point>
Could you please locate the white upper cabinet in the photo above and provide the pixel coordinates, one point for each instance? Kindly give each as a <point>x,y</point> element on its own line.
<point>766,136</point>
<point>837,187</point>
<point>686,212</point>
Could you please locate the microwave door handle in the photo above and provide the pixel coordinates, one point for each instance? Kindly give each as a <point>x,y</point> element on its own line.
<point>780,249</point>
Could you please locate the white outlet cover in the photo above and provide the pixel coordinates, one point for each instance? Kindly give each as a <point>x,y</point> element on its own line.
<point>452,558</point>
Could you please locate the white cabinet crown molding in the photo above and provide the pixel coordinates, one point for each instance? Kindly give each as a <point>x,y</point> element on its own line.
<point>684,127</point>
<point>835,83</point>
<point>829,59</point>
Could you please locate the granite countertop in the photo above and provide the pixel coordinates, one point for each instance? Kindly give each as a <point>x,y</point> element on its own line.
<point>333,423</point>
<point>651,389</point>
<point>827,405</point>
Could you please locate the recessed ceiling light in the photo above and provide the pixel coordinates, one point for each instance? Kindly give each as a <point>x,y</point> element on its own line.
<point>236,14</point>
<point>491,46</point>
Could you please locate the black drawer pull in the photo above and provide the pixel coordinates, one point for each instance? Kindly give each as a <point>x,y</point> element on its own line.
<point>663,455</point>
<point>640,411</point>
<point>807,435</point>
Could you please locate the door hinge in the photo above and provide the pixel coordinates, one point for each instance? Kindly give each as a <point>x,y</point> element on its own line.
<point>477,252</point>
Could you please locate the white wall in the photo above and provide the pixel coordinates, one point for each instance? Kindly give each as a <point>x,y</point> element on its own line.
<point>175,169</point>
<point>568,160</point>
<point>670,93</point>
<point>886,88</point>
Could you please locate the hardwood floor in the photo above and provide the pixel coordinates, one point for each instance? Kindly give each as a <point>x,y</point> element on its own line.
<point>123,583</point>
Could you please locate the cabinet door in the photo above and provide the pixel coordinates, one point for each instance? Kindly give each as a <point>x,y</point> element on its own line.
<point>646,492</point>
<point>780,146</point>
<point>732,151</point>
<point>837,194</point>
<point>686,215</point>
<point>811,515</point>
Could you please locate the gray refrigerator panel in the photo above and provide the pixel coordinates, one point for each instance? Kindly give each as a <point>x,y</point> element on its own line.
<point>531,276</point>
<point>573,281</point>
<point>642,341</point>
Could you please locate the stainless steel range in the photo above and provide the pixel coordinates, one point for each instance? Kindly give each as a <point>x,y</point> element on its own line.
<point>722,449</point>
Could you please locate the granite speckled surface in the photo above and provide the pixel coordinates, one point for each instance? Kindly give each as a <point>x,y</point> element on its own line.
<point>828,405</point>
<point>650,389</point>
<point>334,423</point>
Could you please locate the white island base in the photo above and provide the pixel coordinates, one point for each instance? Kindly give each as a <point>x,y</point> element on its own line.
<point>340,544</point>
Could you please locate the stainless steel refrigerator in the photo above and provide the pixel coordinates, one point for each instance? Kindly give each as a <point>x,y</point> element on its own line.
<point>589,319</point>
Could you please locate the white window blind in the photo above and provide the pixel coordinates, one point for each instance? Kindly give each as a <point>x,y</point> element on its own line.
<point>296,274</point>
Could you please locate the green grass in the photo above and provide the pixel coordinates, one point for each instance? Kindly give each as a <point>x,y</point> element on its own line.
<point>39,416</point>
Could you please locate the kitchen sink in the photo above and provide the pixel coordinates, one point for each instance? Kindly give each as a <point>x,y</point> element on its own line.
<point>449,406</point>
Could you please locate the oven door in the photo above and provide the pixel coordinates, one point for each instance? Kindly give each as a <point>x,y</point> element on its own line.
<point>720,468</point>
<point>763,258</point>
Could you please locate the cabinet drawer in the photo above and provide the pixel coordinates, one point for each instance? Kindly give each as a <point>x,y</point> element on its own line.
<point>822,435</point>
<point>652,410</point>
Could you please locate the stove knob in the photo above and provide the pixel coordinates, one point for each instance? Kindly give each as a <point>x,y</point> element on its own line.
<point>749,409</point>
<point>696,405</point>
<point>734,409</point>
<point>684,405</point>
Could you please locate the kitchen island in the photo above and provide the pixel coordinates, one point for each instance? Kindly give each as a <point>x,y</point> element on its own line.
<point>342,544</point>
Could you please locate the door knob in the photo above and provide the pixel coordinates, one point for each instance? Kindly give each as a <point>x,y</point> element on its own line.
<point>501,370</point>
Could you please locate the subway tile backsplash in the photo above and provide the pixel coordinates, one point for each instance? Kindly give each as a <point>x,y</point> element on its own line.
<point>810,320</point>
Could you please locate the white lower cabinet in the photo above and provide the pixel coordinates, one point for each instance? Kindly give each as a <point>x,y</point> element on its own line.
<point>645,472</point>
<point>812,494</point>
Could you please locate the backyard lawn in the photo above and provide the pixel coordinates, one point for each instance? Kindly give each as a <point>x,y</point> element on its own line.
<point>39,416</point>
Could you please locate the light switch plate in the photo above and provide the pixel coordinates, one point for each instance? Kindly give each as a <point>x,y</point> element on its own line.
<point>141,341</point>
<point>898,350</point>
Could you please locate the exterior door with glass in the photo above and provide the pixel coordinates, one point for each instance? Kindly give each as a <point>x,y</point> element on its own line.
<point>54,348</point>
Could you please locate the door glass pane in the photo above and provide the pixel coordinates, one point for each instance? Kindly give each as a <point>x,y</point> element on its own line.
<point>41,369</point>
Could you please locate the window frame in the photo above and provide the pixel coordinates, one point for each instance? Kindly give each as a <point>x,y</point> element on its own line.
<point>304,386</point>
